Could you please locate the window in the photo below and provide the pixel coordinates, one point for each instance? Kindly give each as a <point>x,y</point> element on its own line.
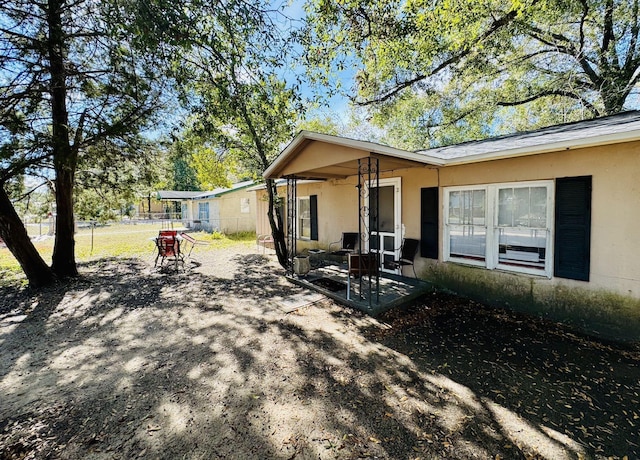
<point>504,226</point>
<point>467,224</point>
<point>245,206</point>
<point>203,212</point>
<point>308,217</point>
<point>304,217</point>
<point>522,226</point>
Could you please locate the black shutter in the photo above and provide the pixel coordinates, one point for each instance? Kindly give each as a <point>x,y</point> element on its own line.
<point>429,223</point>
<point>573,228</point>
<point>313,205</point>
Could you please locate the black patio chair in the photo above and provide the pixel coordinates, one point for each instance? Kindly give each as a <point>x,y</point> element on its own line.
<point>408,253</point>
<point>348,244</point>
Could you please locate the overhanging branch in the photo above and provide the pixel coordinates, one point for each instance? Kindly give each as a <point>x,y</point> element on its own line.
<point>549,93</point>
<point>497,25</point>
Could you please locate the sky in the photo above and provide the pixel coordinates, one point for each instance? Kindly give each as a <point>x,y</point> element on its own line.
<point>336,105</point>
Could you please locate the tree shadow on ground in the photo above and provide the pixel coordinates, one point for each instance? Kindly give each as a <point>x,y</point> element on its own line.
<point>131,362</point>
<point>549,380</point>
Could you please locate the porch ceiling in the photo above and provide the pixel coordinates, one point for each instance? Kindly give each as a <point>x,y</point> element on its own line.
<point>347,168</point>
<point>315,156</point>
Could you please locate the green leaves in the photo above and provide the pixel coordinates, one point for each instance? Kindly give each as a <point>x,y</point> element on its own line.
<point>469,63</point>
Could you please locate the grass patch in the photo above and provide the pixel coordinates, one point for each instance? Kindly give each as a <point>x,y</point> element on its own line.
<point>117,240</point>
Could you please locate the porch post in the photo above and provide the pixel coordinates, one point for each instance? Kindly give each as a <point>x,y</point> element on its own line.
<point>292,210</point>
<point>368,210</point>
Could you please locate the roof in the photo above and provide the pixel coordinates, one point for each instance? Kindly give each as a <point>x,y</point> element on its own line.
<point>342,163</point>
<point>622,127</point>
<point>279,183</point>
<point>176,195</point>
<point>223,191</point>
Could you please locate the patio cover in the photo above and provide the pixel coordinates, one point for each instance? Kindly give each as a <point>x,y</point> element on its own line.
<point>321,156</point>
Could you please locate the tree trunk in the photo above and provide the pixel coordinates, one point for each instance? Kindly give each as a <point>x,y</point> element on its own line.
<point>64,264</point>
<point>15,236</point>
<point>65,157</point>
<point>613,100</point>
<point>277,224</point>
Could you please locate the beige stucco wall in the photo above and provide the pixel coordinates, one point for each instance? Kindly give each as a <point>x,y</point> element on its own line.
<point>225,212</point>
<point>615,219</point>
<point>262,207</point>
<point>615,252</point>
<point>232,220</point>
<point>143,206</point>
<point>412,180</point>
<point>319,155</point>
<point>337,210</point>
<point>608,304</point>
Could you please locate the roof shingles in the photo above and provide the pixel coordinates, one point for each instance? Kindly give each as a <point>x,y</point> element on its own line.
<point>578,131</point>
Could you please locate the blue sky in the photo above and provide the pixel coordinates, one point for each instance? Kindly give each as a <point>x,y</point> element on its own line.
<point>336,104</point>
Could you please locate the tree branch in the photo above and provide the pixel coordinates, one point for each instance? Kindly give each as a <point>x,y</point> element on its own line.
<point>555,92</point>
<point>398,87</point>
<point>607,33</point>
<point>635,31</point>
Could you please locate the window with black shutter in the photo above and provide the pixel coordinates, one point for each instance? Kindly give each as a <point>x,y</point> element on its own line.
<point>429,222</point>
<point>573,228</point>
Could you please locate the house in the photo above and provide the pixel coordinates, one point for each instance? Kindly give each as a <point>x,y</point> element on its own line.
<point>149,207</point>
<point>227,210</point>
<point>172,203</point>
<point>543,221</point>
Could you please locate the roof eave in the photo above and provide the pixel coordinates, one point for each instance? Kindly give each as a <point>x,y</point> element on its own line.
<point>572,144</point>
<point>237,189</point>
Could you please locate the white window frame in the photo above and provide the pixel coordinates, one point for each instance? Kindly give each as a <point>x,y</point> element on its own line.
<point>492,261</point>
<point>245,205</point>
<point>447,227</point>
<point>299,218</point>
<point>184,211</point>
<point>203,207</point>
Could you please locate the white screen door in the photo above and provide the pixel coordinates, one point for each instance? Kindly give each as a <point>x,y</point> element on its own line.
<point>387,239</point>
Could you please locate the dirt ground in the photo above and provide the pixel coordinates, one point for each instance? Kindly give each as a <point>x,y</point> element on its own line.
<point>129,362</point>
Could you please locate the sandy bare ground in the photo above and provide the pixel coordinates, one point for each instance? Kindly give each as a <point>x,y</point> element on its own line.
<point>129,362</point>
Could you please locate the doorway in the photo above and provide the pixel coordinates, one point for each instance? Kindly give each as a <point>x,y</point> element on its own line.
<point>385,222</point>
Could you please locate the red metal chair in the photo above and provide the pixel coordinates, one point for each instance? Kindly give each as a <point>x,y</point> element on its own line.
<point>168,250</point>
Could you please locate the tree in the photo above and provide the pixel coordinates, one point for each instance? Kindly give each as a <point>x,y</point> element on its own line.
<point>110,177</point>
<point>72,76</point>
<point>438,67</point>
<point>323,125</point>
<point>249,122</point>
<point>17,240</point>
<point>184,175</point>
<point>227,57</point>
